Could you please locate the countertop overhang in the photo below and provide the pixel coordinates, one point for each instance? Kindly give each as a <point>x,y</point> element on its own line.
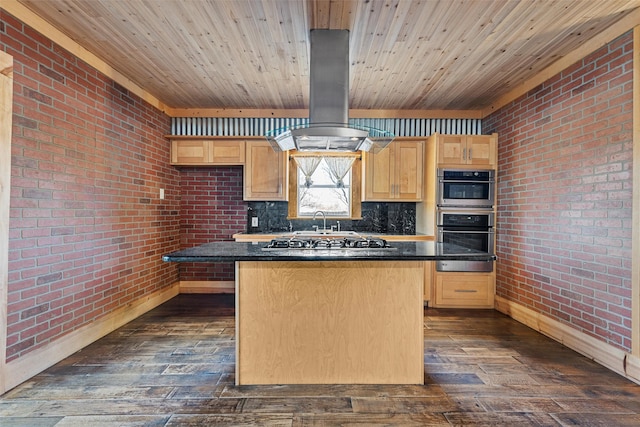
<point>400,251</point>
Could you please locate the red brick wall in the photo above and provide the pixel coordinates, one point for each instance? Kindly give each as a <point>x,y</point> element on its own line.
<point>564,216</point>
<point>211,208</point>
<point>87,228</point>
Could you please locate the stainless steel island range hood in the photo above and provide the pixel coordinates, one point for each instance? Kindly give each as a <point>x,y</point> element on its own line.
<point>328,127</point>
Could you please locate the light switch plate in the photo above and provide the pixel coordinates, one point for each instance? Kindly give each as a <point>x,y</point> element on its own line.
<point>254,221</point>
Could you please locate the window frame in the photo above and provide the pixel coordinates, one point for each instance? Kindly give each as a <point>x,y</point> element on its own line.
<point>356,183</point>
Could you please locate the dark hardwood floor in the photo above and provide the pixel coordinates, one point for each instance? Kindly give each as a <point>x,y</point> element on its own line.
<point>174,366</point>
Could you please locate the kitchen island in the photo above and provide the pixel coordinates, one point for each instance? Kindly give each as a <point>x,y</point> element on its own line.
<point>329,316</point>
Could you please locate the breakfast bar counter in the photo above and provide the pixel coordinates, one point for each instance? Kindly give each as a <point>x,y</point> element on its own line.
<point>256,251</point>
<point>329,316</point>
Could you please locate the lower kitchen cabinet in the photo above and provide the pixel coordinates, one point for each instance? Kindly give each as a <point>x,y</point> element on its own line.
<point>463,290</point>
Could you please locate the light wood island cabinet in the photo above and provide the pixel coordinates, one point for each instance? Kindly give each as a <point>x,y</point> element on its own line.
<point>395,173</point>
<point>331,322</point>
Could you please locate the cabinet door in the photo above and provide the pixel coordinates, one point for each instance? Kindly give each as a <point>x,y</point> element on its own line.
<point>227,152</point>
<point>463,150</point>
<point>395,173</point>
<point>379,173</point>
<point>409,174</point>
<point>464,290</point>
<point>265,172</point>
<point>207,152</point>
<point>481,150</point>
<point>190,152</point>
<point>452,149</point>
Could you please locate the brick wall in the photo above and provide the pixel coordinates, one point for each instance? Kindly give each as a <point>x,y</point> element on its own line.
<point>87,228</point>
<point>211,208</point>
<point>564,195</point>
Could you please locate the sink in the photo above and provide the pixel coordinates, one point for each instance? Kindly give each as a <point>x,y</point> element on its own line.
<point>327,232</point>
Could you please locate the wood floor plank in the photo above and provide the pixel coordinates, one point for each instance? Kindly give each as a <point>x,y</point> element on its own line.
<point>175,366</point>
<point>331,391</point>
<point>299,405</point>
<point>522,404</point>
<point>30,421</point>
<point>598,420</point>
<point>114,420</point>
<point>515,391</point>
<point>371,420</point>
<point>591,406</point>
<point>509,419</point>
<point>240,420</point>
<point>80,407</point>
<point>403,405</point>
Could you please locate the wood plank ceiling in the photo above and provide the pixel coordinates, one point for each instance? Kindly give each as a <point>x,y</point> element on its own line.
<point>405,54</point>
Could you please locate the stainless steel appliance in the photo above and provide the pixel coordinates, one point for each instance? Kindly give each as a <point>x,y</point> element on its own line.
<point>467,229</point>
<point>466,188</point>
<point>329,128</point>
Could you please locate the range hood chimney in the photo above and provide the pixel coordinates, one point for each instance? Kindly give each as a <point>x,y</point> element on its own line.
<point>328,127</point>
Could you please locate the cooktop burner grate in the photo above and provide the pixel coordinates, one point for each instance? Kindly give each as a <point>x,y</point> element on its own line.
<point>357,242</point>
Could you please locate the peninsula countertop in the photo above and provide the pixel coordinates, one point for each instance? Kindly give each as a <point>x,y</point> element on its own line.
<point>225,251</point>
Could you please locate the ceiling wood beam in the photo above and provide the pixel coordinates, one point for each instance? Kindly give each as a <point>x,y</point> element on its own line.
<point>302,113</point>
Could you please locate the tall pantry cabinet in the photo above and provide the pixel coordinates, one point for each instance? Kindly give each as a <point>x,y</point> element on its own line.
<point>456,289</point>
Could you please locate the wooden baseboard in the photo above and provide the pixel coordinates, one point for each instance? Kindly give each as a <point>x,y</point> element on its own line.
<point>608,356</point>
<point>20,370</point>
<point>633,368</point>
<point>207,287</point>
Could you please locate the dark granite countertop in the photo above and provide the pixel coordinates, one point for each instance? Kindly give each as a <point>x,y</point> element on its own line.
<point>400,251</point>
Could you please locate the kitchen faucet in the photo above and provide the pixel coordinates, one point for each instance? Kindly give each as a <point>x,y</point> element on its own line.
<point>324,219</point>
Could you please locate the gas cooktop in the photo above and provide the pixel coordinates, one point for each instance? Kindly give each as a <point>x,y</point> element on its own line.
<point>350,242</point>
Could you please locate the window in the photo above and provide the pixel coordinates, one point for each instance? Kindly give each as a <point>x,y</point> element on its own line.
<point>328,183</point>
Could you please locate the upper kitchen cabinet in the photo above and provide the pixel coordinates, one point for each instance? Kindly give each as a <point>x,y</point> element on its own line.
<point>467,150</point>
<point>265,172</point>
<point>395,173</point>
<point>194,151</point>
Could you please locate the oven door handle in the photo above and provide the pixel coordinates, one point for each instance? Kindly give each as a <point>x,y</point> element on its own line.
<point>470,181</point>
<point>442,230</point>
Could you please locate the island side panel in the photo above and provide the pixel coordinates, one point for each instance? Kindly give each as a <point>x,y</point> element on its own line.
<point>329,322</point>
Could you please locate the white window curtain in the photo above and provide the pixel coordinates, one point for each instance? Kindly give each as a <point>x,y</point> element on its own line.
<point>339,167</point>
<point>308,166</point>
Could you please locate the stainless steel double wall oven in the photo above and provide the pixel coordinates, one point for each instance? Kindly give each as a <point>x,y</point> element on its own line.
<point>465,215</point>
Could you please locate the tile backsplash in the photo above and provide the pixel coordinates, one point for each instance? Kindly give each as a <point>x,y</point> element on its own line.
<point>377,217</point>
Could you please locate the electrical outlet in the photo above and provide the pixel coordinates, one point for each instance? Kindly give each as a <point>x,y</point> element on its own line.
<point>162,194</point>
<point>254,221</point>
